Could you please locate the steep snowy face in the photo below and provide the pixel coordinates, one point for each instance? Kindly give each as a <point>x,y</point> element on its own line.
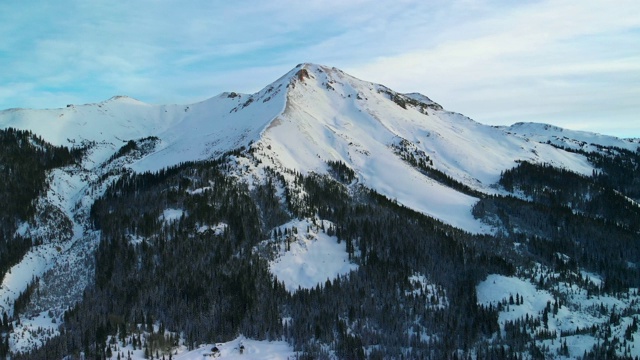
<point>330,115</point>
<point>392,141</point>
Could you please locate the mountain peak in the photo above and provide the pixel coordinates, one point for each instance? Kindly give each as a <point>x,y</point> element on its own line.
<point>302,74</point>
<point>331,79</point>
<point>124,99</point>
<point>303,71</point>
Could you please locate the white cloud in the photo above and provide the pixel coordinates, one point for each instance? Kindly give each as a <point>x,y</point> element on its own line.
<point>546,61</point>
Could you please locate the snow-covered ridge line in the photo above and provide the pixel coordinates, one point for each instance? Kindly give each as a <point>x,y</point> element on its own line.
<point>573,139</point>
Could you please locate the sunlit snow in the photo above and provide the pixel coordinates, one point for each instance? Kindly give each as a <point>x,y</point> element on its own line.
<point>313,258</point>
<point>169,215</point>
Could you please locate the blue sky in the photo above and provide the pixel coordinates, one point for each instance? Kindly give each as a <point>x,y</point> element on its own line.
<point>575,64</point>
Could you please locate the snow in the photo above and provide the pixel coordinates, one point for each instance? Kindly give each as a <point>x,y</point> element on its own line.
<point>420,193</point>
<point>306,121</point>
<point>421,98</point>
<point>594,278</point>
<point>64,261</point>
<point>355,122</point>
<point>253,349</point>
<point>199,190</point>
<point>436,295</point>
<point>314,256</point>
<point>170,215</point>
<point>217,229</point>
<point>574,139</point>
<point>579,310</point>
<point>497,288</point>
<point>33,332</point>
<point>49,228</point>
<point>34,264</point>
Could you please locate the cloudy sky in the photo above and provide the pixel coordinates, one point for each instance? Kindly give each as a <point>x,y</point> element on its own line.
<point>573,63</point>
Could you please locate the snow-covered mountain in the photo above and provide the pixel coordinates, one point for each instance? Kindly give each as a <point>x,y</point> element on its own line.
<point>404,146</point>
<point>314,114</point>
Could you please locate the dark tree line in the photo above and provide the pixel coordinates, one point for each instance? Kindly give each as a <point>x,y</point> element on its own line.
<point>592,196</point>
<point>593,244</point>
<point>417,158</point>
<point>582,217</point>
<point>618,168</point>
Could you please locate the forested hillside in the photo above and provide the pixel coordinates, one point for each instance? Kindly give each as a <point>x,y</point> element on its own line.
<point>159,262</point>
<point>24,161</point>
<point>211,287</point>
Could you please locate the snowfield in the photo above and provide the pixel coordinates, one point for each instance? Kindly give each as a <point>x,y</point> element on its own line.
<point>169,215</point>
<point>311,258</point>
<point>238,348</point>
<point>253,349</point>
<point>497,288</point>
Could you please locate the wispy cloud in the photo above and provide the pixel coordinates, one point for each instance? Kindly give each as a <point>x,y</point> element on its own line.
<point>558,62</point>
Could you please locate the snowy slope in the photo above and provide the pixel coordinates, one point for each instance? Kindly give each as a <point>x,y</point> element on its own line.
<point>118,118</point>
<point>64,262</point>
<point>336,116</point>
<point>579,310</point>
<point>307,257</point>
<point>330,115</point>
<point>187,132</point>
<point>578,140</point>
